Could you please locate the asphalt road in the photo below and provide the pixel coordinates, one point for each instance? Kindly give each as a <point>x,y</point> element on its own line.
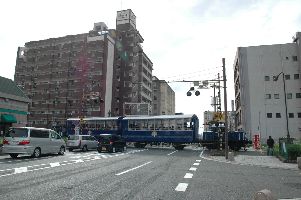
<point>152,173</point>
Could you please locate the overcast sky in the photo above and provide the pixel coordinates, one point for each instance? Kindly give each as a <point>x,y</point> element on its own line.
<point>185,39</point>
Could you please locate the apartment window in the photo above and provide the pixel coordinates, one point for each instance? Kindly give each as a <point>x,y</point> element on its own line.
<point>291,115</point>
<point>298,95</point>
<point>287,77</point>
<point>269,115</point>
<point>276,96</point>
<point>299,115</point>
<point>296,76</point>
<point>278,115</point>
<point>266,78</point>
<point>289,95</point>
<point>295,58</point>
<point>267,96</point>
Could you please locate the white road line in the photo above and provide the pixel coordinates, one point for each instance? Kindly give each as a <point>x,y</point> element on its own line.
<point>20,170</point>
<point>201,153</point>
<point>181,187</point>
<point>188,175</point>
<point>196,164</point>
<point>198,160</point>
<point>78,161</point>
<point>192,168</point>
<point>172,152</point>
<point>133,168</point>
<point>55,164</point>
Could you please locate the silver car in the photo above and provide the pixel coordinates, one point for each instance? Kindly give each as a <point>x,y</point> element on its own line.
<point>83,142</point>
<point>32,141</point>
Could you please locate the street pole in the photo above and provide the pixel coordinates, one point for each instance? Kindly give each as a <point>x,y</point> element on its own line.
<point>284,89</point>
<point>226,111</point>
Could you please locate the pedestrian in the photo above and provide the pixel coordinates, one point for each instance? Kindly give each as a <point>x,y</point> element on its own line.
<point>270,143</point>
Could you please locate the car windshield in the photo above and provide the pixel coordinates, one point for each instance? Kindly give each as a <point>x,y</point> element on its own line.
<point>73,137</point>
<point>17,132</point>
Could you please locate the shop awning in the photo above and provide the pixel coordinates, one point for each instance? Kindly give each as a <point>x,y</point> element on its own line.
<point>7,118</point>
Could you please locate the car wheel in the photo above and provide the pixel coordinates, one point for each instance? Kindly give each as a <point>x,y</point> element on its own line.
<point>84,149</point>
<point>62,151</point>
<point>13,155</point>
<point>36,153</point>
<point>99,150</point>
<point>70,150</point>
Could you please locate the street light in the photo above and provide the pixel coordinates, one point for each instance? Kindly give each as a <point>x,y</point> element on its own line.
<point>284,89</point>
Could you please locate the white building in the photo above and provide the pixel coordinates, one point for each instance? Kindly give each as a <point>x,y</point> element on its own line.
<point>260,101</point>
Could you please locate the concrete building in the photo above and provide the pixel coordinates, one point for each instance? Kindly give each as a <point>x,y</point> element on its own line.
<point>13,105</point>
<point>263,76</point>
<point>163,98</point>
<point>68,76</point>
<point>132,86</point>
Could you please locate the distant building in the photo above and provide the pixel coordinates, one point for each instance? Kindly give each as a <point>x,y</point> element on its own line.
<point>66,77</point>
<point>13,105</point>
<point>132,86</point>
<point>211,116</point>
<point>163,98</point>
<point>260,74</point>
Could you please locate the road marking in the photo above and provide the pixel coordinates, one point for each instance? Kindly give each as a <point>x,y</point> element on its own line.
<point>201,153</point>
<point>188,175</point>
<point>133,168</point>
<point>20,170</point>
<point>56,164</point>
<point>172,152</point>
<point>192,168</point>
<point>181,187</point>
<point>78,161</point>
<point>198,160</point>
<point>196,164</point>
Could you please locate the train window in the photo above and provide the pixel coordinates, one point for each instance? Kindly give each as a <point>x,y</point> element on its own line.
<point>172,124</point>
<point>151,124</point>
<point>91,125</point>
<point>109,125</point>
<point>100,125</point>
<point>180,123</point>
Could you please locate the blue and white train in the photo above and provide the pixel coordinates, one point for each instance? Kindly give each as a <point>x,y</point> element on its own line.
<point>179,130</point>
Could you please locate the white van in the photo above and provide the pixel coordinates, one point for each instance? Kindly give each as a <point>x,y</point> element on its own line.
<point>32,141</point>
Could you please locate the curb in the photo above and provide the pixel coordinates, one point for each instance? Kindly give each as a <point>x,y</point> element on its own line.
<point>247,164</point>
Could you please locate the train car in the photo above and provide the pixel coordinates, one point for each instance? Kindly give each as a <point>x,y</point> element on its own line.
<point>178,130</point>
<point>94,126</point>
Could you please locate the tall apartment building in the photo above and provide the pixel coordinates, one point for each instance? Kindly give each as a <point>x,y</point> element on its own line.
<point>264,76</point>
<point>163,98</point>
<point>68,76</point>
<point>132,86</point>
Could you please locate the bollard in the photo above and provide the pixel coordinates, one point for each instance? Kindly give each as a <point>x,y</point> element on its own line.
<point>231,156</point>
<point>264,195</point>
<point>299,162</point>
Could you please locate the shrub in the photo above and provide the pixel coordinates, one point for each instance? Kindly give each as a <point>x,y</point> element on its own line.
<point>293,151</point>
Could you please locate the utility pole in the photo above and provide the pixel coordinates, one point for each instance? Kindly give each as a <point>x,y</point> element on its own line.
<point>226,111</point>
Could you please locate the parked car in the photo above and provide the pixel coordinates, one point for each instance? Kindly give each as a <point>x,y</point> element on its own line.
<point>111,143</point>
<point>32,141</point>
<point>83,142</point>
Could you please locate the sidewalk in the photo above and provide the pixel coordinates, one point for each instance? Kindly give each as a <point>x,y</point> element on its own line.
<point>256,158</point>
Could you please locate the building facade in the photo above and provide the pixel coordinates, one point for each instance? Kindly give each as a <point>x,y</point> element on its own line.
<point>13,105</point>
<point>66,77</point>
<point>267,89</point>
<point>132,86</point>
<point>163,98</point>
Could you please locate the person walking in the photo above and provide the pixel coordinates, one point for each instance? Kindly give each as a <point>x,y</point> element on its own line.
<point>270,143</point>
